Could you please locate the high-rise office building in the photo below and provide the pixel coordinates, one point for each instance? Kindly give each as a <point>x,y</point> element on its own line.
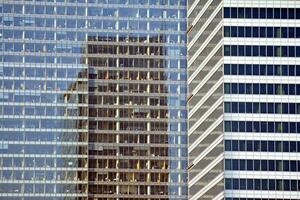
<point>243,105</point>
<point>93,99</point>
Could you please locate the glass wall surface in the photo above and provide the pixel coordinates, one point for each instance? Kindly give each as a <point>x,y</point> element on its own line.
<point>93,99</point>
<point>43,91</point>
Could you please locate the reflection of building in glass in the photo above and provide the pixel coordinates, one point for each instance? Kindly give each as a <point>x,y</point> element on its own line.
<point>93,99</point>
<point>244,104</point>
<point>134,119</point>
<point>81,99</point>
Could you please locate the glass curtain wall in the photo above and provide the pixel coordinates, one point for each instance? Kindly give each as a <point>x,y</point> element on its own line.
<point>93,99</point>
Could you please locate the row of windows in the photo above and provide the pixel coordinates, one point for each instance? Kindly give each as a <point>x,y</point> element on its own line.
<point>56,110</point>
<point>262,13</point>
<point>69,189</point>
<point>90,11</point>
<point>43,123</point>
<point>9,71</point>
<point>41,162</point>
<point>44,149</point>
<point>262,32</point>
<point>122,2</point>
<point>262,126</point>
<point>92,49</point>
<point>125,100</point>
<point>94,24</point>
<point>82,86</point>
<point>40,85</point>
<point>42,136</point>
<point>77,59</point>
<point>262,184</point>
<point>82,124</point>
<point>269,70</point>
<point>258,107</point>
<point>256,88</point>
<point>262,146</point>
<point>44,97</point>
<point>262,165</point>
<point>42,111</point>
<point>251,199</point>
<point>125,74</point>
<point>80,35</point>
<point>132,126</point>
<point>270,51</point>
<point>42,59</point>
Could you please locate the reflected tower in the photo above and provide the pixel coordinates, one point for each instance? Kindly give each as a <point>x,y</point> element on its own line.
<point>137,127</point>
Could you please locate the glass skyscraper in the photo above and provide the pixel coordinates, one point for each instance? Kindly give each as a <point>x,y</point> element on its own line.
<point>244,104</point>
<point>93,99</point>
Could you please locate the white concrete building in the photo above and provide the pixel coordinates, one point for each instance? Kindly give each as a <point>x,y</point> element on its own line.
<point>244,103</point>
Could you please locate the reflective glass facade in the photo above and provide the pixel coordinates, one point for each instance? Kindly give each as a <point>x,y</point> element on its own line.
<point>93,99</point>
